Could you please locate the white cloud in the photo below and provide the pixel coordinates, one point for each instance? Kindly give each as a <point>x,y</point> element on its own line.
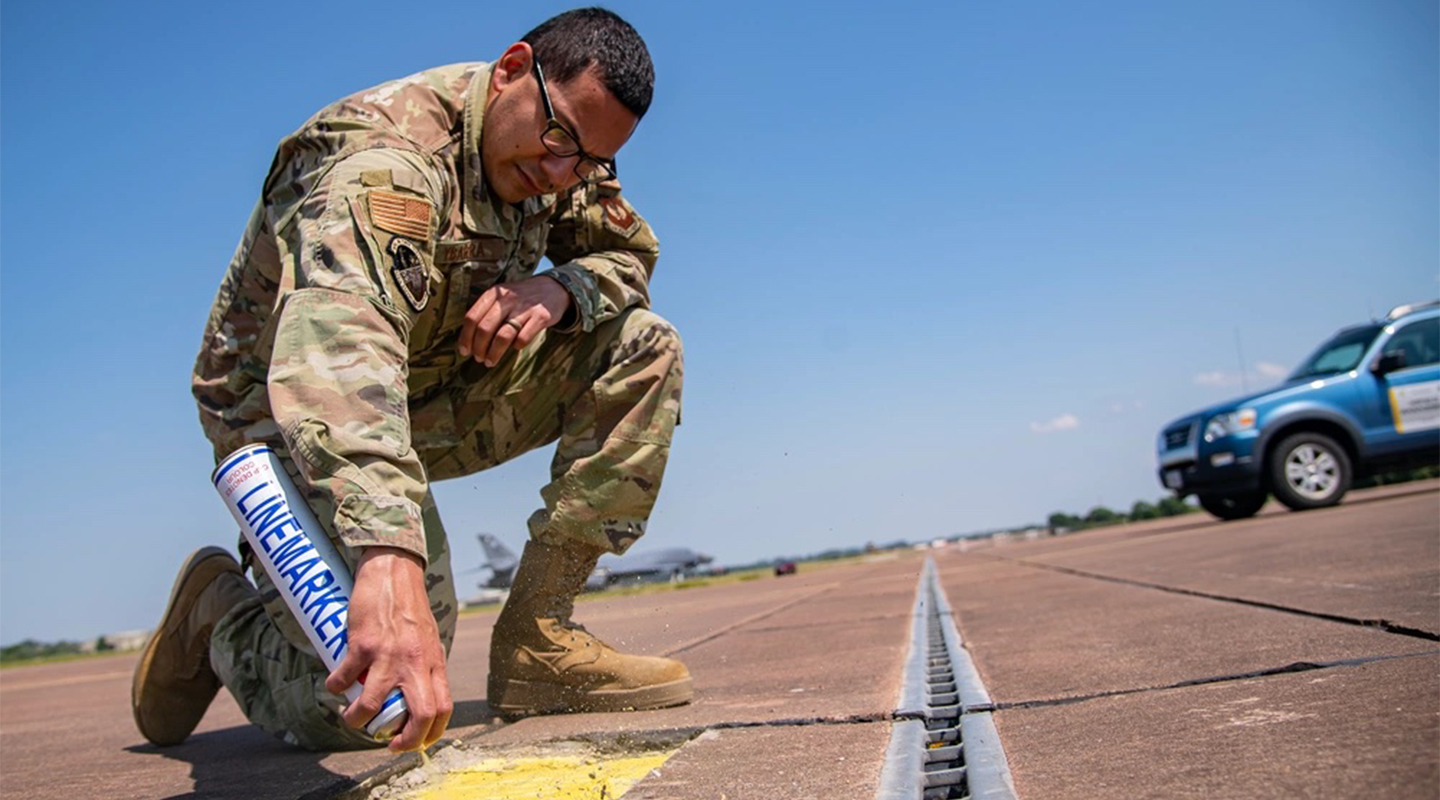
<point>1263,374</point>
<point>1217,378</point>
<point>1121,408</point>
<point>1064,422</point>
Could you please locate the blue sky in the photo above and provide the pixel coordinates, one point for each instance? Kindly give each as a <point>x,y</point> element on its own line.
<point>939,267</point>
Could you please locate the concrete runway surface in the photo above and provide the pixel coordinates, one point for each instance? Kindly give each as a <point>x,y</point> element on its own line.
<point>1290,655</point>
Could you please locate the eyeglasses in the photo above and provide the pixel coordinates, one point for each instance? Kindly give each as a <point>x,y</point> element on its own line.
<point>563,144</point>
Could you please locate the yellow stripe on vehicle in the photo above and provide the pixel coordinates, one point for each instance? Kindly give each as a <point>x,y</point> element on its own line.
<point>1395,412</point>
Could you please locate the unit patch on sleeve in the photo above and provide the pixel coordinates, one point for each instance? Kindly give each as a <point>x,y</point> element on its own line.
<point>619,217</point>
<point>400,214</point>
<point>410,273</point>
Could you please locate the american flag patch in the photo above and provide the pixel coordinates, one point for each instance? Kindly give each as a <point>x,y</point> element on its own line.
<point>406,216</point>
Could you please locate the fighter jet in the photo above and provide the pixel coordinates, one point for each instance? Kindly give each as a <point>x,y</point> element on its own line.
<point>666,564</point>
<point>500,561</point>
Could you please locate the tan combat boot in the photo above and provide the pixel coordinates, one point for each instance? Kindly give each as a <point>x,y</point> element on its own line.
<point>174,683</point>
<point>541,662</point>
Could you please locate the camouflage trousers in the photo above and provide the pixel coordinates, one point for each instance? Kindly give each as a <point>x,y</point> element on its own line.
<point>611,397</point>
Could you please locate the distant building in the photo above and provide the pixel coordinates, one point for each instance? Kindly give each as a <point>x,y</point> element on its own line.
<point>126,640</point>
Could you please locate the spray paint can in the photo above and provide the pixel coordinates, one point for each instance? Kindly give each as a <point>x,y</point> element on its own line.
<point>292,547</point>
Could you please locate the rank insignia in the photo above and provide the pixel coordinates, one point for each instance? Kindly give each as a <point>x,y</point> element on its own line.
<point>619,217</point>
<point>410,273</point>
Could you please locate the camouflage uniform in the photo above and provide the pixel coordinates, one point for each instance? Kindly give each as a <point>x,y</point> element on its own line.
<point>334,339</point>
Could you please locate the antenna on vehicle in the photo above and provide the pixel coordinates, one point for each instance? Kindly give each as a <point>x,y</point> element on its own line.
<point>1239,354</point>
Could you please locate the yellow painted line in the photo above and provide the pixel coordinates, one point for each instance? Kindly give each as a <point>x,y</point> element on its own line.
<point>554,778</point>
<point>104,676</point>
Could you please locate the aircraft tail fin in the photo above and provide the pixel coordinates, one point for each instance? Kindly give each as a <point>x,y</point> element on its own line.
<point>501,560</point>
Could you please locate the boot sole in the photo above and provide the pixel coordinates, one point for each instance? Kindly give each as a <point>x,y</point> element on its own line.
<point>142,670</point>
<point>532,697</point>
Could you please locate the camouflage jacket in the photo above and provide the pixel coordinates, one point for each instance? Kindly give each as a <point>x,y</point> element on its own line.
<point>341,308</point>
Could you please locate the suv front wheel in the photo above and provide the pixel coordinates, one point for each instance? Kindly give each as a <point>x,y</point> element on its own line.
<point>1309,470</point>
<point>1233,505</point>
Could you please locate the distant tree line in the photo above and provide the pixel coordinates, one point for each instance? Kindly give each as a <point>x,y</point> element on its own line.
<point>1100,515</point>
<point>30,650</point>
<point>1398,476</point>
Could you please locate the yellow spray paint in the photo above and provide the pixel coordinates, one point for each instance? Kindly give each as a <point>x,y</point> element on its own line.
<point>559,777</point>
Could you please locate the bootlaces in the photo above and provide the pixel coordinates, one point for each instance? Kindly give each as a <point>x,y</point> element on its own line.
<point>576,629</point>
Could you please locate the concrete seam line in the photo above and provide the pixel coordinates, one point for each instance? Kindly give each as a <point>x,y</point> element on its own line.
<point>104,676</point>
<point>1299,666</point>
<point>831,624</point>
<point>1382,624</point>
<point>802,722</point>
<point>716,634</point>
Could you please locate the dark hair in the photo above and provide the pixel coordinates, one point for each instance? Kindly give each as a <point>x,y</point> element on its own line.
<point>566,45</point>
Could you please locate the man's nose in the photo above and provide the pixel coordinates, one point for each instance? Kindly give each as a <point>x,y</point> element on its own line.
<point>560,172</point>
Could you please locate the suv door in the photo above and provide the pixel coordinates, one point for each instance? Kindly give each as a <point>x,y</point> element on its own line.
<point>1403,407</point>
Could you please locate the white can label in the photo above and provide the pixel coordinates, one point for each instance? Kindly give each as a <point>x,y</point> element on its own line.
<point>292,548</point>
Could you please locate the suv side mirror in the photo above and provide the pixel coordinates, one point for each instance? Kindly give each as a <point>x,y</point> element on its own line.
<point>1389,362</point>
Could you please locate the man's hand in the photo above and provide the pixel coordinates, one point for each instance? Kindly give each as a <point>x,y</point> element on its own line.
<point>392,634</point>
<point>508,316</point>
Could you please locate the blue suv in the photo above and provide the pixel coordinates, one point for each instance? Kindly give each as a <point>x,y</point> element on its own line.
<point>1366,401</point>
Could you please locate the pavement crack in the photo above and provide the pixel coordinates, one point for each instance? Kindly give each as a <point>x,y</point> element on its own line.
<point>806,722</point>
<point>1380,624</point>
<point>721,631</point>
<point>1298,666</point>
<point>834,623</point>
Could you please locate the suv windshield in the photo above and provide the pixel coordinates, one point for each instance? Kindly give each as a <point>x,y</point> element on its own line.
<point>1340,354</point>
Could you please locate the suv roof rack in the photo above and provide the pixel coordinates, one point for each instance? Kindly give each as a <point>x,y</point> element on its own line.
<point>1400,311</point>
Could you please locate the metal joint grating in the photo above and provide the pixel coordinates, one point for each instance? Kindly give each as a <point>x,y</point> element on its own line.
<point>943,744</point>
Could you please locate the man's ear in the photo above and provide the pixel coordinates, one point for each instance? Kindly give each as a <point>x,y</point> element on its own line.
<point>512,66</point>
